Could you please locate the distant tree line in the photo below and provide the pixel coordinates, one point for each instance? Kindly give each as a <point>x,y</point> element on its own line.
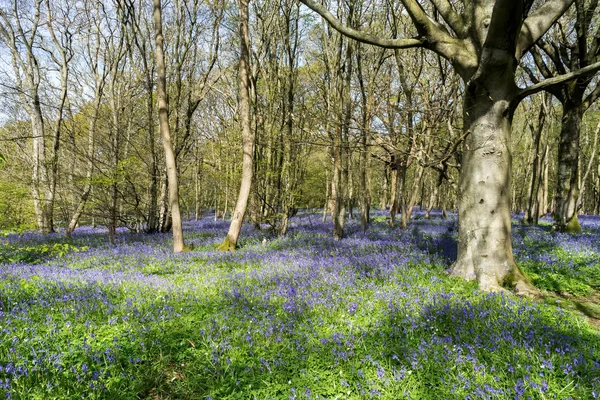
<point>138,114</point>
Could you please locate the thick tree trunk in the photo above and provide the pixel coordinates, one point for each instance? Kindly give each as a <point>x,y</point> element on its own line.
<point>484,223</point>
<point>567,180</point>
<point>239,212</point>
<point>163,117</point>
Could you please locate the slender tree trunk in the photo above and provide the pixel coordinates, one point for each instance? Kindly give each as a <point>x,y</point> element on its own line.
<point>326,205</point>
<point>197,176</point>
<point>432,200</point>
<point>588,168</point>
<point>543,190</point>
<point>567,188</point>
<point>90,163</point>
<point>532,193</point>
<point>417,182</point>
<point>384,189</point>
<point>239,212</point>
<point>153,217</point>
<point>116,133</point>
<point>39,166</point>
<point>163,118</point>
<point>338,213</point>
<point>394,184</point>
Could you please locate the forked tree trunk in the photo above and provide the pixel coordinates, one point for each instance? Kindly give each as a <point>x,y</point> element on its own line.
<point>567,191</point>
<point>237,218</point>
<point>163,117</point>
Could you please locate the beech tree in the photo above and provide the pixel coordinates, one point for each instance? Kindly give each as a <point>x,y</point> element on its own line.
<point>239,211</point>
<point>20,32</point>
<point>576,48</point>
<point>163,117</point>
<point>484,40</point>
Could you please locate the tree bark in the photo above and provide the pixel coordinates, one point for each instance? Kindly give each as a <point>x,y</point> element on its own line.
<point>163,117</point>
<point>239,212</point>
<point>90,161</point>
<point>532,193</point>
<point>567,180</point>
<point>484,223</point>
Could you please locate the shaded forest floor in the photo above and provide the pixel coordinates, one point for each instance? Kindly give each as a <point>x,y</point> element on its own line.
<point>301,317</point>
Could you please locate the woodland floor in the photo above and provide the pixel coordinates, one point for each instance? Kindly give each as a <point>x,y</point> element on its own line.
<point>301,317</point>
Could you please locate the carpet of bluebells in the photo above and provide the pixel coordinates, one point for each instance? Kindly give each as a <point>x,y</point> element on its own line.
<point>301,317</point>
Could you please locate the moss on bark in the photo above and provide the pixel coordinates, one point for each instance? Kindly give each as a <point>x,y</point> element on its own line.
<point>573,225</point>
<point>227,245</point>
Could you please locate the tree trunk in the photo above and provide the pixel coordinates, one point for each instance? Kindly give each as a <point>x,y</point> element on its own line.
<point>197,175</point>
<point>338,213</point>
<point>153,218</point>
<point>90,163</point>
<point>418,179</point>
<point>394,190</point>
<point>163,118</point>
<point>484,223</point>
<point>384,189</point>
<point>588,169</point>
<point>567,188</point>
<point>532,193</point>
<point>543,187</point>
<point>239,212</point>
<point>39,167</point>
<point>432,200</point>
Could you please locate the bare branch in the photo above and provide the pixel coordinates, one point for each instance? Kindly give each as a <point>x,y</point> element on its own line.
<point>592,97</point>
<point>452,18</point>
<point>548,84</point>
<point>363,37</point>
<point>538,23</point>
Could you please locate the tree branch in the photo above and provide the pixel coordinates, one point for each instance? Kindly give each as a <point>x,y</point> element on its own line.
<point>363,37</point>
<point>433,36</point>
<point>548,84</point>
<point>454,20</point>
<point>592,97</point>
<point>538,23</point>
